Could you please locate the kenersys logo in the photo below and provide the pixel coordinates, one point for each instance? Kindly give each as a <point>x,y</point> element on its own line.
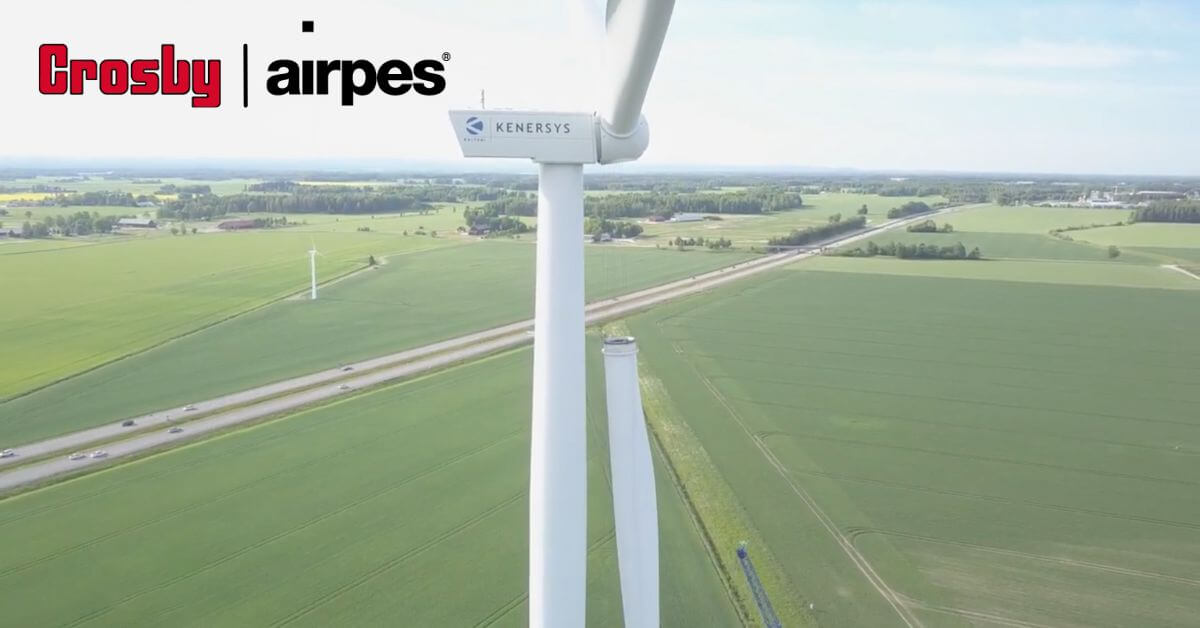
<point>474,126</point>
<point>61,74</point>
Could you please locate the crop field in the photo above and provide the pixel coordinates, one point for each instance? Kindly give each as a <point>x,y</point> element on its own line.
<point>1023,232</point>
<point>1148,234</point>
<point>14,246</point>
<point>1025,246</point>
<point>412,300</point>
<point>22,196</point>
<point>754,230</point>
<point>82,306</point>
<point>16,215</point>
<point>120,184</point>
<point>445,220</point>
<point>404,506</point>
<point>1031,271</point>
<point>998,452</point>
<point>1039,220</point>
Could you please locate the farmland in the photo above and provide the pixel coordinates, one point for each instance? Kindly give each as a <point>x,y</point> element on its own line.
<point>99,183</point>
<point>755,230</point>
<point>414,299</point>
<point>408,502</point>
<point>85,305</point>
<point>1038,220</point>
<point>1007,451</point>
<point>1023,233</point>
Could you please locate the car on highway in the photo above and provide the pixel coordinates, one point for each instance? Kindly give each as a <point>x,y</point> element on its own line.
<point>175,430</point>
<point>127,423</point>
<point>344,387</point>
<point>347,368</point>
<point>7,453</point>
<point>99,453</point>
<point>189,408</point>
<point>76,456</point>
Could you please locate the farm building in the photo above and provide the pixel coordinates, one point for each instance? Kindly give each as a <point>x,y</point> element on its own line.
<point>136,223</point>
<point>233,225</point>
<point>684,217</point>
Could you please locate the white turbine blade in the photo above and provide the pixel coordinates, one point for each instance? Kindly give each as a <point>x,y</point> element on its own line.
<point>635,511</point>
<point>634,33</point>
<point>586,19</point>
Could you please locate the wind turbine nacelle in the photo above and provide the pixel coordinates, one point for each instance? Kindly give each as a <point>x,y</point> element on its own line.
<point>545,136</point>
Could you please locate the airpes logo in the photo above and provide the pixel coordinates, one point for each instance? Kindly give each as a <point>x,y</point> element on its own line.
<point>60,74</point>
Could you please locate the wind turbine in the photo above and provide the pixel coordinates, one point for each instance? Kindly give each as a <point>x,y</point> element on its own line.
<point>560,143</point>
<point>312,267</point>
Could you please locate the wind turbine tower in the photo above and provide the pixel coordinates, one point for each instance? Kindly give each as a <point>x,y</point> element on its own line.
<point>561,143</point>
<point>312,267</point>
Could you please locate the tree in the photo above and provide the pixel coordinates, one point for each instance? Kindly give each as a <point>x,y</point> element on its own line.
<point>193,230</point>
<point>835,218</point>
<point>862,211</point>
<point>799,237</point>
<point>908,209</point>
<point>371,260</point>
<point>174,230</point>
<point>28,214</point>
<point>1113,251</point>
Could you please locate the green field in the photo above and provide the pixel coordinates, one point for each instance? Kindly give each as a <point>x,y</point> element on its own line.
<point>754,230</point>
<point>405,506</point>
<point>82,306</point>
<point>1055,272</point>
<point>1147,234</point>
<point>1013,246</point>
<point>999,452</point>
<point>414,299</point>
<point>16,215</point>
<point>121,184</point>
<point>1026,219</point>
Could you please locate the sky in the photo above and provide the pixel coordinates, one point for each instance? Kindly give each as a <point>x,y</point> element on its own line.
<point>972,86</point>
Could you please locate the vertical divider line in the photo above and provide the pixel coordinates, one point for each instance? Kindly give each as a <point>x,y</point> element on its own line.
<point>245,76</point>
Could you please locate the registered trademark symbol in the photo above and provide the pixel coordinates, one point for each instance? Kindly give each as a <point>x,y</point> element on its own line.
<point>445,56</point>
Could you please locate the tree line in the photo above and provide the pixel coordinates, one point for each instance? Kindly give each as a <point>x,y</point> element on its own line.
<point>929,226</point>
<point>712,243</point>
<point>1168,212</point>
<point>914,251</point>
<point>484,220</point>
<point>614,228</point>
<point>809,235</point>
<point>320,202</point>
<point>77,224</point>
<point>910,208</point>
<point>195,190</point>
<point>662,204</point>
<point>430,193</point>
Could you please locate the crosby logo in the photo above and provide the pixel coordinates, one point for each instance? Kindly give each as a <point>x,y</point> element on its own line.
<point>474,126</point>
<point>60,75</point>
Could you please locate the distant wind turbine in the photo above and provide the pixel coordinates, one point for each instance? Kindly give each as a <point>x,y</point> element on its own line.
<point>312,266</point>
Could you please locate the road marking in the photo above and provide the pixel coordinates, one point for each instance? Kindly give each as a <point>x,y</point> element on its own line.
<point>1181,269</point>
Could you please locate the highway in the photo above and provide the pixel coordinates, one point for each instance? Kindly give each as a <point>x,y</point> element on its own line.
<point>229,410</point>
